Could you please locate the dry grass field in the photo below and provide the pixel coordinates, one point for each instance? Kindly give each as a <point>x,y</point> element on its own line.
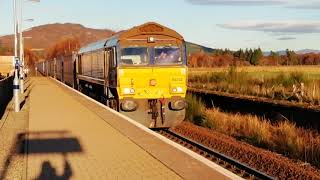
<point>263,70</point>
<point>292,83</point>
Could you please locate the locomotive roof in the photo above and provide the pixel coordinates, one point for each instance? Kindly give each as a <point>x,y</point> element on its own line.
<point>150,28</point>
<point>93,46</point>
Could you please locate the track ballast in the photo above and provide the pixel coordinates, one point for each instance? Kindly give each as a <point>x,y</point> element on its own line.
<point>231,164</point>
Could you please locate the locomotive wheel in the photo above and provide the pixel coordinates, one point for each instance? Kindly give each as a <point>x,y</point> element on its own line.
<point>80,89</point>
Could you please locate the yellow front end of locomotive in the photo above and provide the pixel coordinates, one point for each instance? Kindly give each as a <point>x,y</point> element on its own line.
<point>152,82</point>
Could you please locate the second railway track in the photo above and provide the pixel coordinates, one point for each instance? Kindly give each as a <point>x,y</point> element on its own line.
<point>231,164</point>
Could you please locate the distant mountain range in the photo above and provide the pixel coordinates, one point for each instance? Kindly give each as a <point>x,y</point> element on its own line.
<point>192,48</point>
<point>306,51</point>
<point>46,36</point>
<point>303,51</point>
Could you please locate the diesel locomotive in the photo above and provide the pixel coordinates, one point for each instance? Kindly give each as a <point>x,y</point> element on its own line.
<point>140,72</point>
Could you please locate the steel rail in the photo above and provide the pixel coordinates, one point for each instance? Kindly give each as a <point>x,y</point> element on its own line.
<point>235,166</point>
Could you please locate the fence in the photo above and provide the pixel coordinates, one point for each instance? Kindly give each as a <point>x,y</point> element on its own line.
<point>6,93</point>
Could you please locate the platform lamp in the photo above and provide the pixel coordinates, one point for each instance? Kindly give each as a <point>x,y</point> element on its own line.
<point>22,76</point>
<point>21,44</point>
<point>15,60</point>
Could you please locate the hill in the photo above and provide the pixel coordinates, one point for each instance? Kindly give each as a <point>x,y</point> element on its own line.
<point>46,36</point>
<point>308,51</point>
<point>301,52</point>
<point>192,48</point>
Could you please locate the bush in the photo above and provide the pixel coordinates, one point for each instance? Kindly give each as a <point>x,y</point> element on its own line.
<point>195,112</point>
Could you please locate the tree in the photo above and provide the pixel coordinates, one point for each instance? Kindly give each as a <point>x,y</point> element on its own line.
<point>291,57</point>
<point>246,55</point>
<point>256,56</point>
<point>241,55</point>
<point>64,47</point>
<point>275,57</point>
<point>30,57</point>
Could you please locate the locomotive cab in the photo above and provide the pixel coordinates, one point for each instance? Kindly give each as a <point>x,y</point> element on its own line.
<point>152,76</point>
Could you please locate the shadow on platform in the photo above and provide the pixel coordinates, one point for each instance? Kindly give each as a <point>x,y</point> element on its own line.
<point>51,142</point>
<point>27,92</point>
<point>50,173</point>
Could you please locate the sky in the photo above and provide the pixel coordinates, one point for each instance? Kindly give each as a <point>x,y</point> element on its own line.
<point>234,24</point>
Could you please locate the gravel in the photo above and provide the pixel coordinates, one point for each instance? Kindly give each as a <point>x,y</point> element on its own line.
<point>12,163</point>
<point>271,163</point>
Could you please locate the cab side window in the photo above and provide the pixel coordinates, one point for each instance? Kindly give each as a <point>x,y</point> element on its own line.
<point>112,56</point>
<point>79,65</point>
<point>112,60</point>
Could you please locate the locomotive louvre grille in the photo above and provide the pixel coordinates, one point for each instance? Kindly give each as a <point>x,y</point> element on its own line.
<point>151,28</point>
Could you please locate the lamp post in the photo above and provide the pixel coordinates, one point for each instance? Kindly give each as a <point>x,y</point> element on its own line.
<point>15,19</point>
<point>15,61</point>
<point>22,75</point>
<point>21,45</point>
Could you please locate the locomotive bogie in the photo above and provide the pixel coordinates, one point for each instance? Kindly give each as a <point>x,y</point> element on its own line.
<point>159,116</point>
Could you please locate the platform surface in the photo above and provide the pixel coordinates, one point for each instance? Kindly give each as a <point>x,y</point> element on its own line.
<point>67,136</point>
<point>66,139</point>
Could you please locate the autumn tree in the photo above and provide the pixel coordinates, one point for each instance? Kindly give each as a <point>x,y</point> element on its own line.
<point>64,47</point>
<point>30,57</point>
<point>225,57</point>
<point>275,57</point>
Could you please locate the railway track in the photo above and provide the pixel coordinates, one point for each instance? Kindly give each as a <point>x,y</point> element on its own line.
<point>302,115</point>
<point>232,165</point>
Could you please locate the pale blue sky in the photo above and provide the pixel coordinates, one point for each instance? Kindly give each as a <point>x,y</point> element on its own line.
<point>269,24</point>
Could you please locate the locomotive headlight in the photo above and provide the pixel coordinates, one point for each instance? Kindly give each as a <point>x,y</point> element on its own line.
<point>183,71</point>
<point>151,40</point>
<point>128,91</point>
<point>177,90</point>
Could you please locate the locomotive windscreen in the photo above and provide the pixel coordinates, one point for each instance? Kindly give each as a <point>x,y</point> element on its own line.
<point>134,56</point>
<point>159,55</point>
<point>167,55</point>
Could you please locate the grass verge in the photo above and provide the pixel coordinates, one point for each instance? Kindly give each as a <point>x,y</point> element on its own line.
<point>281,137</point>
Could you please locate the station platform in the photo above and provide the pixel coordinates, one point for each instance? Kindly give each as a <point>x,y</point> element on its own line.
<point>63,134</point>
